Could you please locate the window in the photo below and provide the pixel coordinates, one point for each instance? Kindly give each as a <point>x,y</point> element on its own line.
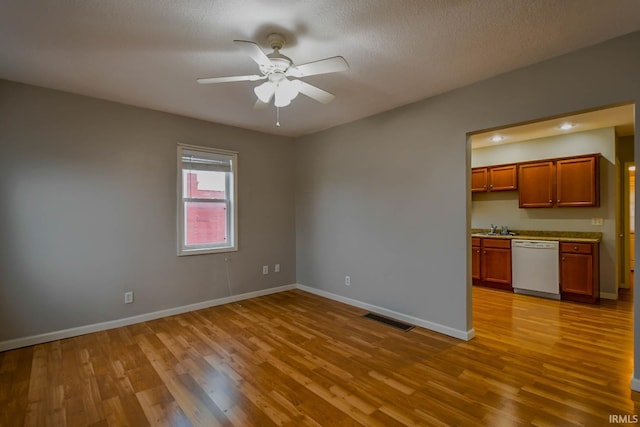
<point>207,219</point>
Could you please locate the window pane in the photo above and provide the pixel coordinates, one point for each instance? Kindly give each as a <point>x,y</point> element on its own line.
<point>206,223</point>
<point>203,184</point>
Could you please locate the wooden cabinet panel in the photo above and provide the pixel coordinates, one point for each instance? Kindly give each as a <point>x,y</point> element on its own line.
<point>496,265</point>
<point>577,182</point>
<point>491,263</point>
<point>570,182</point>
<point>496,243</point>
<point>576,248</point>
<point>536,184</point>
<point>479,178</point>
<point>503,178</point>
<point>494,178</point>
<point>576,273</point>
<point>579,272</point>
<point>475,261</point>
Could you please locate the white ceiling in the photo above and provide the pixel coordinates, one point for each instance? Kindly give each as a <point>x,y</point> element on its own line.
<point>149,53</point>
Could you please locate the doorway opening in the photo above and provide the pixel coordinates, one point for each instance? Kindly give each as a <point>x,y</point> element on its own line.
<point>628,261</point>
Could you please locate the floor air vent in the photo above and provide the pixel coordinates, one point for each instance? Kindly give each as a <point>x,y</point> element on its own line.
<point>394,323</point>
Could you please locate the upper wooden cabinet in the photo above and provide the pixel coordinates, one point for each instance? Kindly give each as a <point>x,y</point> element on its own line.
<point>494,178</point>
<point>577,181</point>
<point>537,184</point>
<point>479,180</point>
<point>569,182</point>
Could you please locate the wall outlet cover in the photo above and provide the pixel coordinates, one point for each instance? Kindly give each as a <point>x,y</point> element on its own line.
<point>265,269</point>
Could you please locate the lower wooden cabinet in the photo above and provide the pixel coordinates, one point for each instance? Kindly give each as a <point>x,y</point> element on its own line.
<point>491,263</point>
<point>579,271</point>
<point>476,250</point>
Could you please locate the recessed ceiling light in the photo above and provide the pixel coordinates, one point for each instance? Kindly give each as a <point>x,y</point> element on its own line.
<point>497,138</point>
<point>567,126</point>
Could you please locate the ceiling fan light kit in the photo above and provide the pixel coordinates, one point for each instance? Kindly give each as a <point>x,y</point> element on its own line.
<point>283,84</point>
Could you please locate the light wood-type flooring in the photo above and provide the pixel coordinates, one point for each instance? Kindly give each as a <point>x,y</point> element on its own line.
<point>296,359</point>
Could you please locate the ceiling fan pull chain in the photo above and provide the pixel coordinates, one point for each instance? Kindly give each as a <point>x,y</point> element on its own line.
<point>277,117</point>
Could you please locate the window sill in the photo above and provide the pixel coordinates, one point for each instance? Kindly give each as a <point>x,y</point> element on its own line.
<point>187,252</point>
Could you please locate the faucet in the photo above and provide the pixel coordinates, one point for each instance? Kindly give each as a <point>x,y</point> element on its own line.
<point>504,230</point>
<point>493,229</point>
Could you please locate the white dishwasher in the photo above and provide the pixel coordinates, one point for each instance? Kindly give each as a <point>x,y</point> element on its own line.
<point>535,268</point>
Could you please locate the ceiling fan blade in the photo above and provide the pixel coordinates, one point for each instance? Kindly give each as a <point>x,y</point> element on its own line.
<point>230,79</point>
<point>314,92</point>
<point>254,51</point>
<point>323,66</point>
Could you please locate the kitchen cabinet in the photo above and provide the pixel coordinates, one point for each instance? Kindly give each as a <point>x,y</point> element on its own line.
<point>579,271</point>
<point>494,178</point>
<point>491,263</point>
<point>537,184</point>
<point>577,182</point>
<point>566,182</point>
<point>475,258</point>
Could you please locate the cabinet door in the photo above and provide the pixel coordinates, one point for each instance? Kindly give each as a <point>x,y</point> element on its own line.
<point>475,262</point>
<point>478,180</point>
<point>503,178</point>
<point>577,182</point>
<point>576,273</point>
<point>536,182</point>
<point>496,265</point>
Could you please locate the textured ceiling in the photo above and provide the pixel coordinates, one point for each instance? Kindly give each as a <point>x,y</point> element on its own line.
<point>148,53</point>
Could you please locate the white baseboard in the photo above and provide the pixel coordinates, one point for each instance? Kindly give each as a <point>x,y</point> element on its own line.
<point>635,384</point>
<point>436,327</point>
<point>608,295</point>
<point>96,327</point>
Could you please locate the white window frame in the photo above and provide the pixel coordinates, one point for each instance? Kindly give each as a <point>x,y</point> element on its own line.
<point>231,201</point>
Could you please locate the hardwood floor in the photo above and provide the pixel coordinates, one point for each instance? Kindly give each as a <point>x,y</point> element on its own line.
<point>297,359</point>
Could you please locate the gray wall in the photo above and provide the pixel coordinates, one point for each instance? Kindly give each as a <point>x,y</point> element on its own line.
<point>386,199</point>
<point>89,211</point>
<point>502,207</point>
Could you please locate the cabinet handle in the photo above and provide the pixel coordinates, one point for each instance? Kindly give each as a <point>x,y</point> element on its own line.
<point>550,201</point>
<point>575,248</point>
<point>563,258</point>
<point>478,251</point>
<point>558,200</point>
<point>491,186</point>
<point>484,252</point>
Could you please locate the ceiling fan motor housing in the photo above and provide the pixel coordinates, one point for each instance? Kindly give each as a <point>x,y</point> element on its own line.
<point>279,62</point>
<point>276,41</point>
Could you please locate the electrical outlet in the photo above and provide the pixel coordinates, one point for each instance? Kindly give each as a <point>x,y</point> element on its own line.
<point>128,297</point>
<point>265,269</point>
<point>347,280</point>
<point>276,268</point>
<point>597,221</point>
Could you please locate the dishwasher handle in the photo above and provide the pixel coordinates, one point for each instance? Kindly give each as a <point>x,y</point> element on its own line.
<point>535,244</point>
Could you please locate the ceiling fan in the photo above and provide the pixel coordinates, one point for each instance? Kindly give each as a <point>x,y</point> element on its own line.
<point>282,76</point>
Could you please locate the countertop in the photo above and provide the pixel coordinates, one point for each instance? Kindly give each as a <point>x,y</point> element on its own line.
<point>559,236</point>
